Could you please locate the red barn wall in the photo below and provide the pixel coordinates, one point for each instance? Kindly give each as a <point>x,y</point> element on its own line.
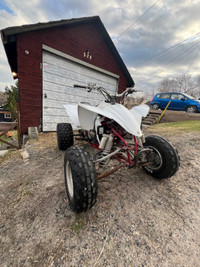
<point>73,40</point>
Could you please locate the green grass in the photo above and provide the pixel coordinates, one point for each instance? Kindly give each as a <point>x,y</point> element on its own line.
<point>24,191</point>
<point>22,194</point>
<point>181,126</point>
<point>78,225</point>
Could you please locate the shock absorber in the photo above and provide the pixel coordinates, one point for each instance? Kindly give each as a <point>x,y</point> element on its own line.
<point>103,142</point>
<point>106,146</point>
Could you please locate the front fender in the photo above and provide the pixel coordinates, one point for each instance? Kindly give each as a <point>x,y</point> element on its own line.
<point>117,112</point>
<point>72,111</point>
<point>139,112</point>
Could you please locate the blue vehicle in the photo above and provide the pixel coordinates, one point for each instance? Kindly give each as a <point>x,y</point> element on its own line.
<point>179,101</point>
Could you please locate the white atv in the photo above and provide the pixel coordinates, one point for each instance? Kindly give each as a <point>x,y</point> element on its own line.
<point>115,133</point>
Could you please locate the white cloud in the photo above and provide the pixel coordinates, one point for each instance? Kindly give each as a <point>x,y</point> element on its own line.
<point>166,24</point>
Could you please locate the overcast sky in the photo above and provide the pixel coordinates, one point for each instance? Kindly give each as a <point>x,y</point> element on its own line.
<point>155,39</point>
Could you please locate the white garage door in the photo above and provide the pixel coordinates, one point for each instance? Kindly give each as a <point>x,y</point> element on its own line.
<point>60,73</point>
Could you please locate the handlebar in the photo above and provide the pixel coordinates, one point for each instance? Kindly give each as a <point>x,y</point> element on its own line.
<point>108,98</point>
<point>126,92</point>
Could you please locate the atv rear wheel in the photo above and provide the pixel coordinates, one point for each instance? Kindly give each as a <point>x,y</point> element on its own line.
<point>65,137</point>
<point>80,179</point>
<point>166,159</point>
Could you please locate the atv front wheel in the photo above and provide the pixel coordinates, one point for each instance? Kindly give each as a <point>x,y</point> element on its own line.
<point>65,137</point>
<point>165,162</point>
<point>80,179</point>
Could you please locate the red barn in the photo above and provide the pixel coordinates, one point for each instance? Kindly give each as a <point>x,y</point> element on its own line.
<point>49,58</point>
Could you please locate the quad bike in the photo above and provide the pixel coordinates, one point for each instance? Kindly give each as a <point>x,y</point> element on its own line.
<point>115,132</point>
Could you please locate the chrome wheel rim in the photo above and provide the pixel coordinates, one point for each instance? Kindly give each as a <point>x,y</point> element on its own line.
<point>155,107</point>
<point>157,161</point>
<point>191,110</point>
<point>69,180</point>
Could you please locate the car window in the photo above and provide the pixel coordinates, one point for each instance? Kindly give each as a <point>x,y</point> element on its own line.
<point>178,96</point>
<point>166,96</point>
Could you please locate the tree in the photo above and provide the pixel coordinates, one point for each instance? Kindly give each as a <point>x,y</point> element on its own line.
<point>167,85</point>
<point>182,83</point>
<point>12,97</point>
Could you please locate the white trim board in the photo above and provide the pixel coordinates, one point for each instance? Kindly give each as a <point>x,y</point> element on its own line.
<point>81,62</point>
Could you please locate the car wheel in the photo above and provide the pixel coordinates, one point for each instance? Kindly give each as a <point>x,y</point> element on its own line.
<point>80,179</point>
<point>191,109</point>
<point>155,107</point>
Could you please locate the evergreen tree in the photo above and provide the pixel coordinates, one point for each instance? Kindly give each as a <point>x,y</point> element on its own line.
<point>12,97</point>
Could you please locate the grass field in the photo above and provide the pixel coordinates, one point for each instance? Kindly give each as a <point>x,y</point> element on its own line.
<point>179,127</point>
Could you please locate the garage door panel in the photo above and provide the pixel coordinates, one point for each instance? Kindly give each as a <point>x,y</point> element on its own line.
<point>51,103</point>
<point>48,111</point>
<point>51,123</point>
<point>70,92</point>
<point>60,72</point>
<point>67,69</point>
<point>50,87</point>
<point>59,77</point>
<point>72,79</point>
<point>56,118</point>
<point>64,99</point>
<point>52,76</point>
<point>68,95</point>
<point>60,81</point>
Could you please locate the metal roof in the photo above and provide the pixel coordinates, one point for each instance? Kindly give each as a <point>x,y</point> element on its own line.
<point>9,39</point>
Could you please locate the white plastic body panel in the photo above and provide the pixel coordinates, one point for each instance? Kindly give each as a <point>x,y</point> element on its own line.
<point>139,111</point>
<point>130,120</point>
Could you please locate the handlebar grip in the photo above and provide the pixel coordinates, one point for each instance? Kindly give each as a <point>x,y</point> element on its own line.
<point>130,91</point>
<point>79,86</point>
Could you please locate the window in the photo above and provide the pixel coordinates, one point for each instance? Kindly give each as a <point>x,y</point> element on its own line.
<point>178,96</point>
<point>7,116</point>
<point>165,96</point>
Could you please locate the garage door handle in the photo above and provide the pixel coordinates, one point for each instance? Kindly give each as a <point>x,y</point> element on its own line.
<point>45,95</point>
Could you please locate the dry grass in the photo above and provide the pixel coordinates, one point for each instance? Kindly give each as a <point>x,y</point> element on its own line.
<point>176,128</point>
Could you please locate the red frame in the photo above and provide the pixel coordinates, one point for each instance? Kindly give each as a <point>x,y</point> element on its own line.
<point>127,160</point>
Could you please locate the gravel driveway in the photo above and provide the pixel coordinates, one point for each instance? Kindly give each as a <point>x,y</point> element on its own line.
<point>137,220</point>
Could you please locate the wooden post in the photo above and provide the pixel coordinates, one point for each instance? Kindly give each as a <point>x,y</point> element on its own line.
<point>163,112</point>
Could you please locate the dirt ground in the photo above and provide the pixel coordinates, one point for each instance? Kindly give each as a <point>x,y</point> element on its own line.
<point>137,220</point>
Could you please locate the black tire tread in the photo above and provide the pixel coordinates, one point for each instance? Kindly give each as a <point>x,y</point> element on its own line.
<point>170,157</point>
<point>65,137</point>
<point>84,179</point>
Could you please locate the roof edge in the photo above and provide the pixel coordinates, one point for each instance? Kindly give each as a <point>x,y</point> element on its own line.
<point>9,35</point>
<point>44,25</point>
